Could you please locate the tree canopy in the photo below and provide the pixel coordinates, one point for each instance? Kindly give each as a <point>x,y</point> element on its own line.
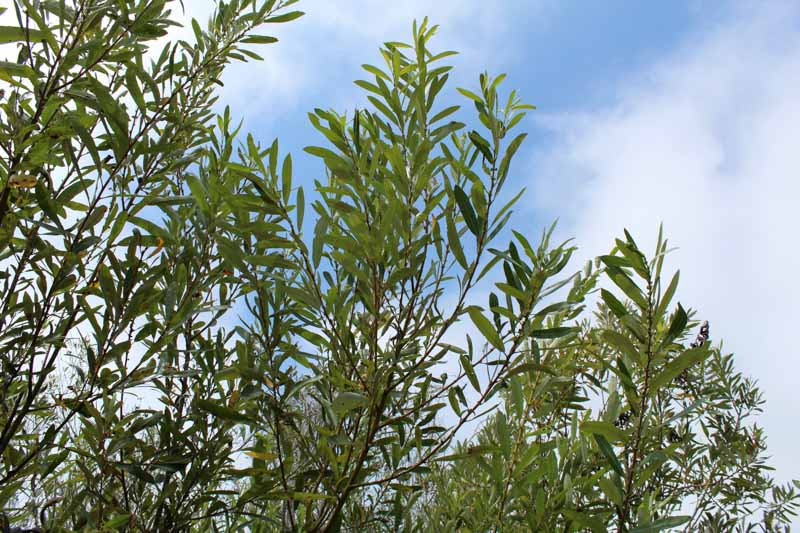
<point>179,354</point>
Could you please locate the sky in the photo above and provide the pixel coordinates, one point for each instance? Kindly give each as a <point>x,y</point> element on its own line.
<point>677,112</point>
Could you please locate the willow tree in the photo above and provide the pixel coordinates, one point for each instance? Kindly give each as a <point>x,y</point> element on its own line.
<point>351,323</point>
<point>637,425</point>
<point>113,277</point>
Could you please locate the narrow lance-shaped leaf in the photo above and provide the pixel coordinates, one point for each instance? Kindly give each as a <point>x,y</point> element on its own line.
<point>482,145</point>
<point>611,491</point>
<point>454,241</point>
<point>621,343</point>
<point>613,303</point>
<point>486,328</point>
<point>666,297</point>
<point>466,209</point>
<point>286,177</point>
<point>301,207</point>
<point>607,430</point>
<point>221,411</point>
<point>259,39</point>
<point>286,17</point>
<point>347,401</point>
<point>676,327</point>
<point>508,156</point>
<point>552,333</point>
<point>10,34</point>
<point>672,369</point>
<point>503,434</point>
<point>635,258</point>
<point>624,282</point>
<point>608,452</point>
<point>661,524</point>
<point>198,34</point>
<point>469,370</point>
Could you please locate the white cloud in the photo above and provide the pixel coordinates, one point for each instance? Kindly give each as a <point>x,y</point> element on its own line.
<point>706,142</point>
<point>320,53</point>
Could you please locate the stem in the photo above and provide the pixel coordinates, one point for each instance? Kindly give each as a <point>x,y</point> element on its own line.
<point>624,512</point>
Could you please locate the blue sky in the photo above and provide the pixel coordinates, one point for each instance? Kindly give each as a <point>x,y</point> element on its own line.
<point>560,56</point>
<point>677,112</point>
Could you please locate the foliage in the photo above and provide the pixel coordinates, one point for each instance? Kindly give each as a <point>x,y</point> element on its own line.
<point>114,276</point>
<point>177,355</point>
<point>628,429</point>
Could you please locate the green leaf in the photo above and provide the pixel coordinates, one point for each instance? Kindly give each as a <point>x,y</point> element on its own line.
<point>46,203</point>
<point>608,452</point>
<point>223,412</point>
<point>485,327</point>
<point>503,434</point>
<point>52,462</point>
<point>138,472</point>
<point>301,207</point>
<point>634,257</point>
<point>453,399</point>
<point>482,145</point>
<point>261,455</point>
<point>347,401</point>
<point>10,70</point>
<point>676,327</point>
<point>117,521</point>
<point>472,451</point>
<point>472,96</point>
<point>466,209</point>
<point>662,524</point>
<point>286,177</point>
<point>672,369</point>
<point>470,372</point>
<point>199,193</point>
<point>108,105</point>
<point>259,39</point>
<point>318,243</point>
<point>615,261</point>
<point>454,241</point>
<point>198,34</point>
<point>231,252</point>
<point>621,343</point>
<point>443,114</point>
<point>10,34</point>
<point>627,381</point>
<point>532,368</point>
<point>624,282</point>
<point>617,307</point>
<point>134,90</point>
<point>510,151</point>
<point>552,333</point>
<point>606,429</point>
<point>331,158</point>
<point>299,496</point>
<point>286,17</point>
<point>668,294</point>
<point>513,292</point>
<point>86,138</point>
<point>611,491</point>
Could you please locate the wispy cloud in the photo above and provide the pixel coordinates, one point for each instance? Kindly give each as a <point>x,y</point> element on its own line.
<point>321,53</point>
<point>705,141</point>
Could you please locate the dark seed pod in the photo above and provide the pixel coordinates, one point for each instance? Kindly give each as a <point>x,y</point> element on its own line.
<point>623,419</point>
<point>702,337</point>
